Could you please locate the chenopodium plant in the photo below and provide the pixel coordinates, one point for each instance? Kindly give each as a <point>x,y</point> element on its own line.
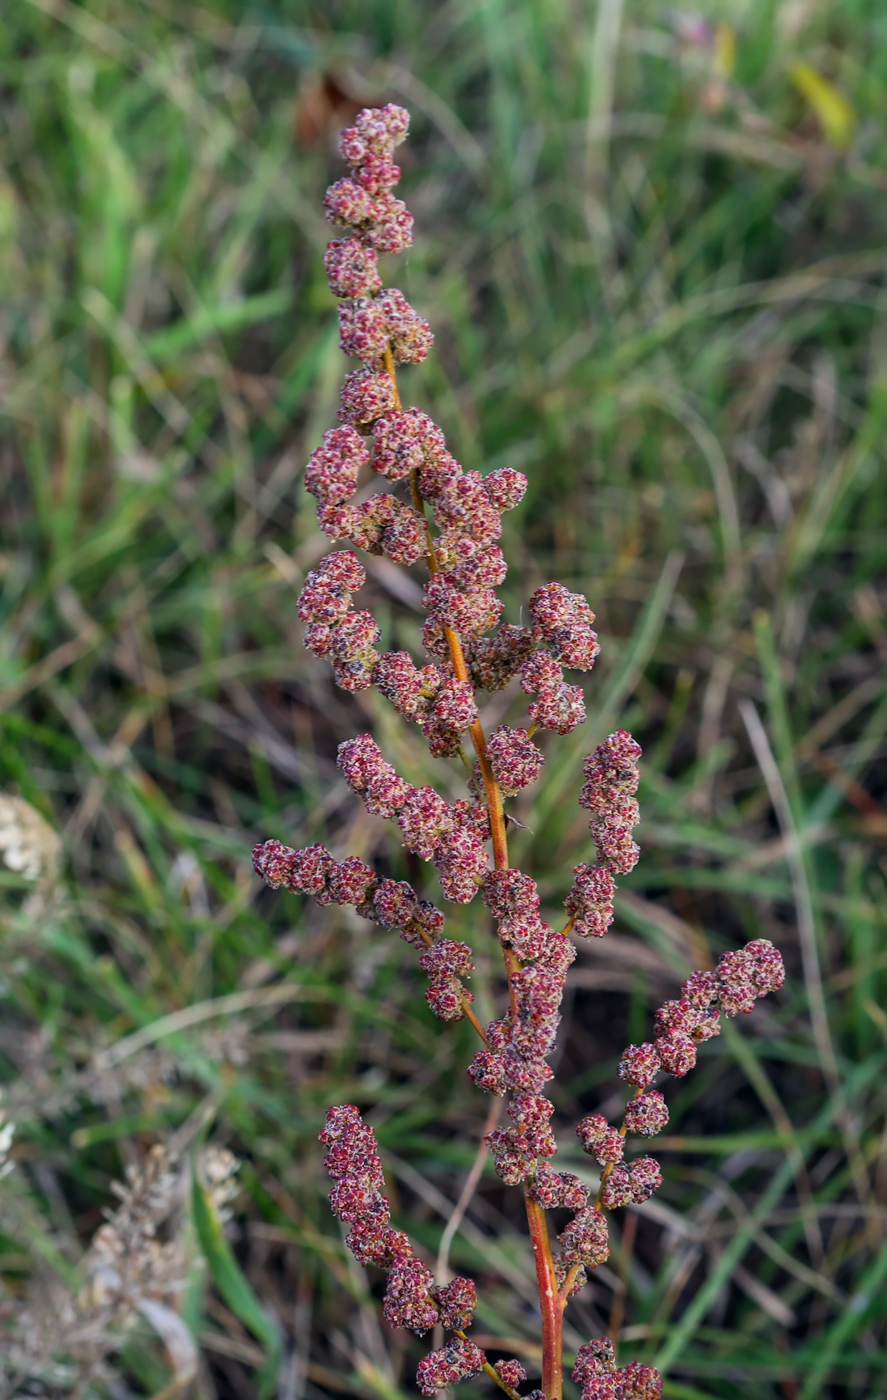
<point>452,520</point>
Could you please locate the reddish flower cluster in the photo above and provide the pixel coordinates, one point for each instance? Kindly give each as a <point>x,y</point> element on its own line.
<point>599,1378</point>
<point>493,661</point>
<point>562,622</point>
<point>557,706</point>
<point>681,1025</point>
<point>450,836</point>
<point>352,1161</point>
<point>518,1045</point>
<point>514,758</point>
<point>412,1300</point>
<point>512,1372</point>
<point>611,780</point>
<point>363,203</point>
<point>740,978</point>
<point>557,1189</point>
<point>599,1139</point>
<point>458,1361</point>
<point>585,1240</point>
<point>590,901</point>
<point>632,1185</point>
<point>445,961</point>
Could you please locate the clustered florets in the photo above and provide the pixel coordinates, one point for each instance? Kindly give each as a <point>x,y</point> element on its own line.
<point>380,440</point>
<point>611,780</point>
<point>451,836</point>
<point>599,1378</point>
<point>458,1361</point>
<point>412,1299</point>
<point>680,1026</point>
<point>739,979</point>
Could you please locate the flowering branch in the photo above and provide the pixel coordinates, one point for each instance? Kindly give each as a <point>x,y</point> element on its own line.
<point>453,519</point>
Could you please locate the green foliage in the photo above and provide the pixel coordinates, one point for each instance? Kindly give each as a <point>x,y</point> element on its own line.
<point>657,289</point>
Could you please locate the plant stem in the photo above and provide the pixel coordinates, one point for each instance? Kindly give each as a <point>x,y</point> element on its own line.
<point>552,1312</point>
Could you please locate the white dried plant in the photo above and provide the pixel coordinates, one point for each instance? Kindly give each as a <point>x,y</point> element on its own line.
<point>135,1268</point>
<point>31,848</point>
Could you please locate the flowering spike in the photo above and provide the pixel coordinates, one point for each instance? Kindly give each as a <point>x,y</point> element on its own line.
<point>384,481</point>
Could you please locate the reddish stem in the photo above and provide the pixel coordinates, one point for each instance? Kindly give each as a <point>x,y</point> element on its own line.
<point>552,1313</point>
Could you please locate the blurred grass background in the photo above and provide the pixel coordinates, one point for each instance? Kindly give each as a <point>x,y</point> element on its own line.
<point>651,243</point>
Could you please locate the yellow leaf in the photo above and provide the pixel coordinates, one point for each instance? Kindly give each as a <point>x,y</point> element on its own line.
<point>725,49</point>
<point>833,112</point>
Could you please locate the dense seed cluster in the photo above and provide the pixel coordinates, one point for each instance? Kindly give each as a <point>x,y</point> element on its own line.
<point>611,780</point>
<point>562,623</point>
<point>412,1299</point>
<point>451,836</point>
<point>590,901</point>
<point>352,1161</point>
<point>458,1361</point>
<point>682,1025</point>
<point>512,1372</point>
<point>599,1378</point>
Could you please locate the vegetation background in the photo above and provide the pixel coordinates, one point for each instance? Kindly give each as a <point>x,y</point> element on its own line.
<point>652,245</point>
